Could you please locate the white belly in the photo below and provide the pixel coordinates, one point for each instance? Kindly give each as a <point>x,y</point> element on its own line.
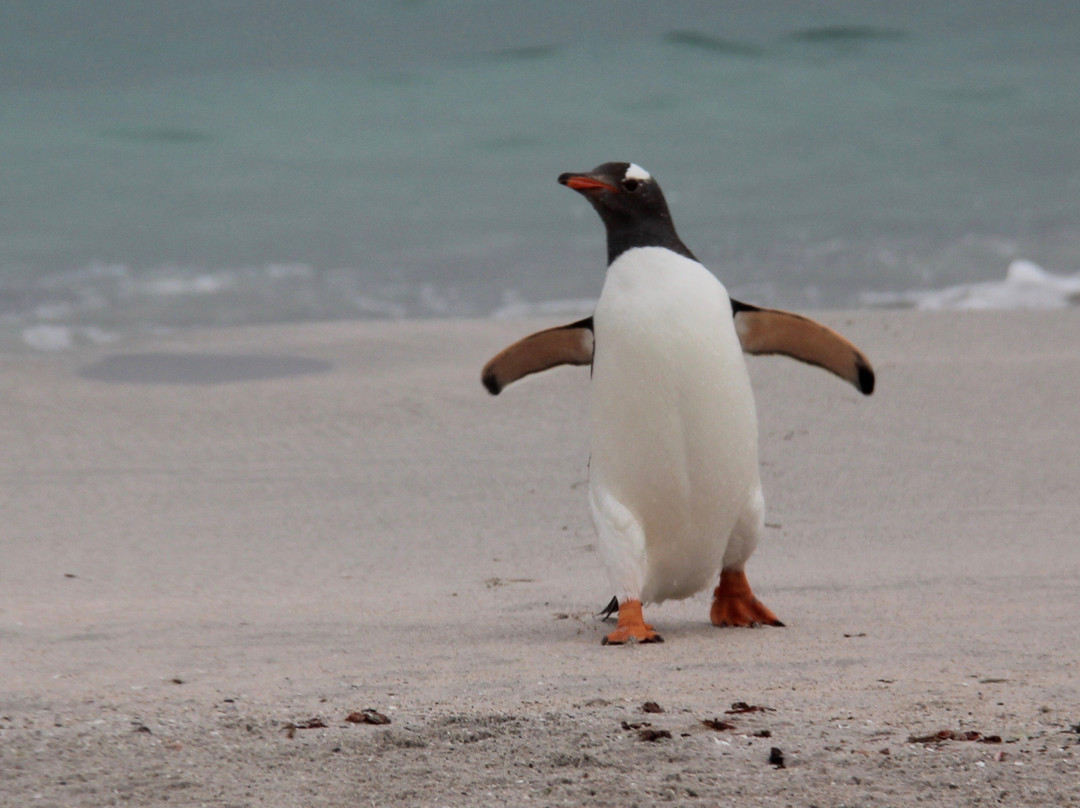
<point>674,430</point>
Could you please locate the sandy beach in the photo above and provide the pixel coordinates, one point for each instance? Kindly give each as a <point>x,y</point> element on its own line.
<point>214,542</point>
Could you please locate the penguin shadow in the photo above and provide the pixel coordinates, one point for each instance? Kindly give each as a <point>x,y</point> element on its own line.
<point>688,629</point>
<point>544,623</point>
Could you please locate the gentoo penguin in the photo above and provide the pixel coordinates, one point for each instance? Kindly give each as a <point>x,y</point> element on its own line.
<point>673,475</point>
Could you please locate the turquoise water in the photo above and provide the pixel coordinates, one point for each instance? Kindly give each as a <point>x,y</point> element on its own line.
<point>189,163</point>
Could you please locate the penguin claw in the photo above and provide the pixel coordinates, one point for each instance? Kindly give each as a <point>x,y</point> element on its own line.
<point>630,639</point>
<point>751,624</point>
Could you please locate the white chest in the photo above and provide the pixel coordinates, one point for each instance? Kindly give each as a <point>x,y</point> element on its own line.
<point>674,431</point>
<point>665,340</point>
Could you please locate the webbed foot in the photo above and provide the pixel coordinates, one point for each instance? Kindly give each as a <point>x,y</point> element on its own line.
<point>631,626</point>
<point>734,603</point>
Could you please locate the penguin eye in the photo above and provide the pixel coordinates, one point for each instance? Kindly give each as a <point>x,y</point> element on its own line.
<point>630,185</point>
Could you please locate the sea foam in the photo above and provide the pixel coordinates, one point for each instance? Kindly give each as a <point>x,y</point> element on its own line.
<point>1026,286</point>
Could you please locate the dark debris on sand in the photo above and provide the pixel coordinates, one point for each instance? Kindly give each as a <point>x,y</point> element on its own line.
<point>954,735</point>
<point>740,707</point>
<point>367,716</point>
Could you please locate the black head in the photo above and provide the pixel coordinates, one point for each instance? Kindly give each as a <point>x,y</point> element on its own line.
<point>631,205</point>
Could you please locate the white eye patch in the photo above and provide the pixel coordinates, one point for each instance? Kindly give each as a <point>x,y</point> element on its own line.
<point>636,172</point>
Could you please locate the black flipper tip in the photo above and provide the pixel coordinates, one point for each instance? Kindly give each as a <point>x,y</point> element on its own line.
<point>866,379</point>
<point>491,383</point>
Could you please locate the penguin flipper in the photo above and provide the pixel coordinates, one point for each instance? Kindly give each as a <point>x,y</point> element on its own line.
<point>570,344</point>
<point>771,331</point>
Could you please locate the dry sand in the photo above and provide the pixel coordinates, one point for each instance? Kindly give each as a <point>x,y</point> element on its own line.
<point>293,523</point>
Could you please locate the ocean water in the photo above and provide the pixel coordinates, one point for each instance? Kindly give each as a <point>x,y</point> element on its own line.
<point>195,162</point>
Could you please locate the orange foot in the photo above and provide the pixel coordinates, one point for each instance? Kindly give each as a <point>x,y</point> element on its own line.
<point>735,605</point>
<point>631,626</point>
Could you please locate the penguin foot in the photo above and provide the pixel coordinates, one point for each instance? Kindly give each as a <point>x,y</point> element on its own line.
<point>734,603</point>
<point>631,626</point>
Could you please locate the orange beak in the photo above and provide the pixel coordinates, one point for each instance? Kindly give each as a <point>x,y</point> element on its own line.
<point>581,182</point>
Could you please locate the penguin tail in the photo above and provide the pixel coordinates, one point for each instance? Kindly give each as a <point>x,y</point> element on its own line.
<point>610,609</point>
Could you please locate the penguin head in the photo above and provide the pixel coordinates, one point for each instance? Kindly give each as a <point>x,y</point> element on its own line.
<point>630,204</point>
<point>619,191</point>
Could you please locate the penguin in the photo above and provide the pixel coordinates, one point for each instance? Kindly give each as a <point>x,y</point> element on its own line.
<point>674,485</point>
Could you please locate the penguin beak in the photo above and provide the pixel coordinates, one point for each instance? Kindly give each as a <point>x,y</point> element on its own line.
<point>585,183</point>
